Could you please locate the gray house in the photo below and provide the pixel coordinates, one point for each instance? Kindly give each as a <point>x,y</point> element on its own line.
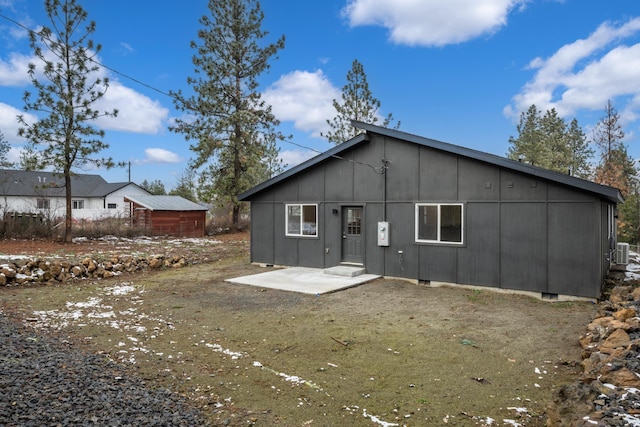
<point>406,206</point>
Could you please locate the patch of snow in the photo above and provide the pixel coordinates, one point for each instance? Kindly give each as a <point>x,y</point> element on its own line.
<point>633,268</point>
<point>630,419</point>
<point>92,302</point>
<point>631,390</point>
<point>102,315</point>
<point>219,349</point>
<point>377,420</point>
<point>119,290</point>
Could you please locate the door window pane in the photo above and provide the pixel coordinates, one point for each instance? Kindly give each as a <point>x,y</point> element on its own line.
<point>354,221</point>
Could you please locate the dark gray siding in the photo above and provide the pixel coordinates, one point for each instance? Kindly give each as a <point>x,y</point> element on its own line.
<point>263,232</point>
<point>523,246</point>
<point>479,260</point>
<point>437,171</point>
<point>571,250</point>
<point>521,231</point>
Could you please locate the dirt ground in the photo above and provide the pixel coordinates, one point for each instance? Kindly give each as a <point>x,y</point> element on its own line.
<point>385,353</point>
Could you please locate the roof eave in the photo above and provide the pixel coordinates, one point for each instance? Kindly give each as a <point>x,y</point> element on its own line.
<point>333,152</point>
<point>609,193</point>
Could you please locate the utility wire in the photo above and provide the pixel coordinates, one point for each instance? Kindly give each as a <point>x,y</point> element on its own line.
<point>381,170</point>
<point>133,79</point>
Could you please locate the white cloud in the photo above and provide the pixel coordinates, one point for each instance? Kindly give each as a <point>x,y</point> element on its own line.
<point>14,71</point>
<point>160,155</point>
<point>585,74</point>
<point>304,98</point>
<point>293,158</point>
<point>126,47</point>
<point>9,123</point>
<point>14,154</point>
<point>136,112</point>
<point>431,22</point>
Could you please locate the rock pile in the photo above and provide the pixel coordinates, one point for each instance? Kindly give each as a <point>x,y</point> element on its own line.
<point>25,271</point>
<point>608,391</point>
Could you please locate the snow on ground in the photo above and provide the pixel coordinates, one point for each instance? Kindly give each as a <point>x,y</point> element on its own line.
<point>146,240</point>
<point>96,310</point>
<point>633,268</point>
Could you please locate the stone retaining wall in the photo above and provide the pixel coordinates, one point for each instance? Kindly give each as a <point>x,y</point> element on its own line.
<point>608,391</point>
<point>25,271</point>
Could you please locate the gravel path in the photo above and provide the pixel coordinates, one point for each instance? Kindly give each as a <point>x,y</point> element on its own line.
<point>45,382</point>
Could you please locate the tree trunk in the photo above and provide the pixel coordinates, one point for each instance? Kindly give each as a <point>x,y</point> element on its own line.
<point>236,216</point>
<point>68,236</point>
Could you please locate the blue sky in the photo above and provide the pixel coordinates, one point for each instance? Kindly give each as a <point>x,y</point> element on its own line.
<point>459,71</point>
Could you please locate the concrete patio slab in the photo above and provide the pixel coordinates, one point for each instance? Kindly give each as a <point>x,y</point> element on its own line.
<point>302,279</point>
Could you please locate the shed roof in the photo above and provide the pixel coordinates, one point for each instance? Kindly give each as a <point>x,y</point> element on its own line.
<point>51,184</point>
<point>165,203</point>
<point>609,193</point>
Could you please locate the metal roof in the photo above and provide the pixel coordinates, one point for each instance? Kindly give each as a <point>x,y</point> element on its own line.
<point>609,193</point>
<point>165,203</point>
<point>51,184</point>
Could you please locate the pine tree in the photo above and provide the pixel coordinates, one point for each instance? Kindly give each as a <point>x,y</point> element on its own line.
<point>30,158</point>
<point>233,130</point>
<point>66,97</point>
<point>358,104</point>
<point>608,133</point>
<point>527,147</point>
<point>553,138</point>
<point>185,187</point>
<point>579,151</point>
<point>4,152</point>
<point>155,187</point>
<point>629,217</point>
<point>616,168</point>
<point>546,141</point>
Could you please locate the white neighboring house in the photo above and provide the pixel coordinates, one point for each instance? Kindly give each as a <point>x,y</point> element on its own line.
<point>43,192</point>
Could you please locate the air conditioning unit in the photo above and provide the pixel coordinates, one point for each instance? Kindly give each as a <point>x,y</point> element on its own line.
<point>622,253</point>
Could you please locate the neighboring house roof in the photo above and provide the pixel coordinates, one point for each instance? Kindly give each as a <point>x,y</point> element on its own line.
<point>50,184</point>
<point>165,203</point>
<point>609,193</point>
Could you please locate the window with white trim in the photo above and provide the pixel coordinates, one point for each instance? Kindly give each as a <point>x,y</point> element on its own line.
<point>439,223</point>
<point>301,220</point>
<point>78,204</point>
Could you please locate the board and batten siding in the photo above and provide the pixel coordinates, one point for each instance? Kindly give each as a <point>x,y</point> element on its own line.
<point>521,232</point>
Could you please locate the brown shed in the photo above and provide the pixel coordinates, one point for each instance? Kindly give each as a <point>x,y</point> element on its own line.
<point>170,215</point>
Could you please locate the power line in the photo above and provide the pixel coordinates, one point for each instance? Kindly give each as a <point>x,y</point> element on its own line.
<point>381,170</point>
<point>133,79</point>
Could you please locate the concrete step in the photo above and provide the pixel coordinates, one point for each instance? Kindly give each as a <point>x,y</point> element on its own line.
<point>345,271</point>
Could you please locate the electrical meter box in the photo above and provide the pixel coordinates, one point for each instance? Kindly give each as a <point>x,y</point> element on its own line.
<point>383,233</point>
